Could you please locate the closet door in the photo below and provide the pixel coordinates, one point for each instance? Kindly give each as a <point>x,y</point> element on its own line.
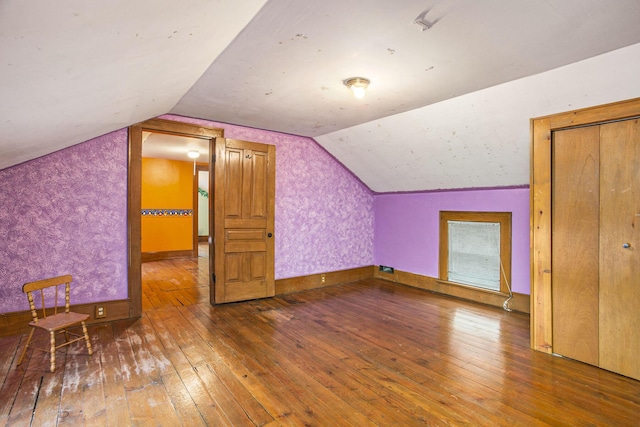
<point>575,218</point>
<point>619,316</point>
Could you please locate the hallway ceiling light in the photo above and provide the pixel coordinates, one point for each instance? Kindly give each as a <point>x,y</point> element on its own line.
<point>358,85</point>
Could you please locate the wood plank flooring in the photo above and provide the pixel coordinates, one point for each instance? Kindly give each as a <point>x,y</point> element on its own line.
<point>369,353</point>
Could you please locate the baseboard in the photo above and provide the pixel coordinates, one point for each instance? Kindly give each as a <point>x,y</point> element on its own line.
<point>159,256</point>
<point>520,302</point>
<point>17,323</point>
<point>302,283</point>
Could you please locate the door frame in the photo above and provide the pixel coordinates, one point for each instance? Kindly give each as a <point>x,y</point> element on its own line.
<point>134,220</point>
<point>540,206</point>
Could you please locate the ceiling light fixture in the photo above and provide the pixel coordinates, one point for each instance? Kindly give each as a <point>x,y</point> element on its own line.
<point>358,85</point>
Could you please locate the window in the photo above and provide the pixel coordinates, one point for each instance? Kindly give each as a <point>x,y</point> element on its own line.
<point>475,249</point>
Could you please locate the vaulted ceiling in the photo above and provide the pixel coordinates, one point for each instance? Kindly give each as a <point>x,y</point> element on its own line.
<point>448,104</point>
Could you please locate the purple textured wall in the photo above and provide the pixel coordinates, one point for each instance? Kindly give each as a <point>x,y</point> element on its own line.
<point>65,213</point>
<point>406,229</point>
<point>324,215</point>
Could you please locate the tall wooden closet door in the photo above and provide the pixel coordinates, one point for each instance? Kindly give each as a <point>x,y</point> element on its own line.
<point>575,213</point>
<point>619,317</point>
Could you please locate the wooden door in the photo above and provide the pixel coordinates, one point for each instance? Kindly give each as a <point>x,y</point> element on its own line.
<point>244,193</point>
<point>595,246</point>
<point>574,248</point>
<point>620,247</point>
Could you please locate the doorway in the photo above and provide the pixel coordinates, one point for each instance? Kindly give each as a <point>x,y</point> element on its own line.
<point>136,133</point>
<point>171,194</point>
<point>175,212</point>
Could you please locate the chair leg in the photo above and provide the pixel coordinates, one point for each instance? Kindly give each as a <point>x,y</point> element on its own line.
<point>24,350</point>
<point>86,338</point>
<point>53,351</point>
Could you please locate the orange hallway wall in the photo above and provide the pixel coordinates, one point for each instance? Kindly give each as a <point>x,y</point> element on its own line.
<point>167,184</point>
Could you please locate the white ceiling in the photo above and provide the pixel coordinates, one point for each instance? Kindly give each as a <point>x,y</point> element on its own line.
<point>174,147</point>
<point>73,70</point>
<point>439,112</point>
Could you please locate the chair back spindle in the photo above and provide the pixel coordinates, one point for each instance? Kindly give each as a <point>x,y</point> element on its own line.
<point>46,302</point>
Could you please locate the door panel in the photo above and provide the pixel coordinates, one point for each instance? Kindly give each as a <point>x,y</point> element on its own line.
<point>233,267</point>
<point>245,235</point>
<point>245,207</point>
<point>258,262</point>
<point>620,248</point>
<point>258,208</point>
<point>233,183</point>
<point>575,212</point>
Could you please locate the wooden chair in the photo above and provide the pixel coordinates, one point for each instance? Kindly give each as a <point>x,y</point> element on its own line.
<point>55,323</point>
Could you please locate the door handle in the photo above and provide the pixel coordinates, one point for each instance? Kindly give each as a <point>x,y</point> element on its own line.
<point>269,235</point>
<point>626,245</point>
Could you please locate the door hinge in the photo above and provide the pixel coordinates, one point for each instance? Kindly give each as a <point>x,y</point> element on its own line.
<point>213,278</point>
<point>213,158</point>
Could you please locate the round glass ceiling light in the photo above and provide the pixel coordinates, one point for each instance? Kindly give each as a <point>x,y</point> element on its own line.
<point>358,86</point>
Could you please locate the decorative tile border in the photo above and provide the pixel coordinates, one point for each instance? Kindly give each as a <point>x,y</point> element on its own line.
<point>167,212</point>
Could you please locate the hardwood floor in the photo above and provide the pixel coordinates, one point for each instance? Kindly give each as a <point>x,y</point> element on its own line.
<point>176,282</point>
<point>365,353</point>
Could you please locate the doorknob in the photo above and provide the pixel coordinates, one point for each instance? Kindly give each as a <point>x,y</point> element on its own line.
<point>626,245</point>
<point>269,235</point>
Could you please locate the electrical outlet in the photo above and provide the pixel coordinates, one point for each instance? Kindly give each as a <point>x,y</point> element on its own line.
<point>101,312</point>
<point>322,278</point>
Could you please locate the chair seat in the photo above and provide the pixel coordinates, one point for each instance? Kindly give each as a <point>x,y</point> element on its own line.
<point>59,321</point>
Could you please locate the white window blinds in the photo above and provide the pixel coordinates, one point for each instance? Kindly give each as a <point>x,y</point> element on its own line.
<point>474,253</point>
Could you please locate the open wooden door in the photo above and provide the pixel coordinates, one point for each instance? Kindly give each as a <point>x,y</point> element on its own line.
<point>244,218</point>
